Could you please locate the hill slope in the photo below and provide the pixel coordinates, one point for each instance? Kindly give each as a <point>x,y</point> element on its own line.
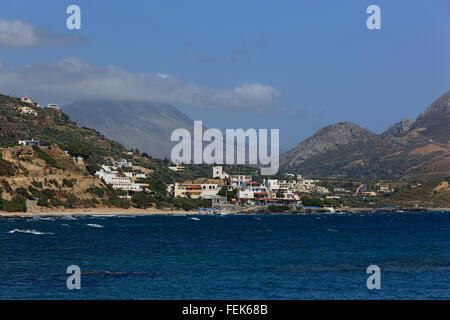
<point>143,125</point>
<point>51,127</point>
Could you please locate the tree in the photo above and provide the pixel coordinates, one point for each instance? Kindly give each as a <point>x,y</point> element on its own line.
<point>79,149</point>
<point>229,194</point>
<point>311,201</point>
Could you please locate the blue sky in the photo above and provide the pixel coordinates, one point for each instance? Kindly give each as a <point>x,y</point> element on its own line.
<point>292,65</point>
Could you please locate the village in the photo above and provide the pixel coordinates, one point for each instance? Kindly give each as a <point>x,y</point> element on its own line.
<point>217,188</point>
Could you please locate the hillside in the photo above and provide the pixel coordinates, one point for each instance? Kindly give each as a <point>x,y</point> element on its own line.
<point>434,121</point>
<point>408,150</point>
<point>326,139</point>
<point>399,128</point>
<point>143,125</point>
<point>50,126</point>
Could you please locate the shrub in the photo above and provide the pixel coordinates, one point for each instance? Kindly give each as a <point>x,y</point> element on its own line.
<point>311,201</point>
<point>7,187</point>
<point>88,203</point>
<point>55,202</point>
<point>36,184</point>
<point>22,191</point>
<point>69,183</point>
<point>17,204</point>
<point>7,169</point>
<point>143,200</point>
<point>119,202</point>
<point>44,156</point>
<point>71,200</point>
<point>98,191</point>
<point>43,201</point>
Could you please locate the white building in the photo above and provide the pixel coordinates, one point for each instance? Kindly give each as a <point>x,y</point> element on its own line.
<point>239,180</point>
<point>252,191</point>
<point>29,142</point>
<point>52,106</point>
<point>134,175</point>
<point>26,100</point>
<point>123,163</point>
<point>177,168</point>
<point>219,173</point>
<point>28,110</point>
<point>209,190</point>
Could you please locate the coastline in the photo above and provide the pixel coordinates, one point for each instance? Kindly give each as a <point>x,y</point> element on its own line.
<point>154,211</point>
<point>94,211</point>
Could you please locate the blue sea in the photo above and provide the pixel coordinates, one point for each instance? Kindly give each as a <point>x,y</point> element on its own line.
<point>314,256</point>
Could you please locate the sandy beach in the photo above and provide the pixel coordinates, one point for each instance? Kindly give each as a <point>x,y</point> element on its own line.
<point>95,211</point>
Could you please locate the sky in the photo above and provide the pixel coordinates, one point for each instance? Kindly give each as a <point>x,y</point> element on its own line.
<point>290,65</point>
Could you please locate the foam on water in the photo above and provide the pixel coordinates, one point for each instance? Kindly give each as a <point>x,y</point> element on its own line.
<point>94,225</point>
<point>29,231</point>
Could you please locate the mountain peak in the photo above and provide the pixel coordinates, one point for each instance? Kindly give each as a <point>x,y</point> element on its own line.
<point>399,128</point>
<point>434,121</point>
<point>325,139</point>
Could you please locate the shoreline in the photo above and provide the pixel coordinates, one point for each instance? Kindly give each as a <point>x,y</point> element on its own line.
<point>154,211</point>
<point>94,211</point>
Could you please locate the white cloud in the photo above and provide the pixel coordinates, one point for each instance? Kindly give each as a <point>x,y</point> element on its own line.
<point>72,79</point>
<point>19,34</point>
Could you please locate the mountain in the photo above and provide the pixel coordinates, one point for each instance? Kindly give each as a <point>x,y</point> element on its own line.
<point>135,124</point>
<point>408,150</point>
<point>434,121</point>
<point>326,139</point>
<point>399,128</point>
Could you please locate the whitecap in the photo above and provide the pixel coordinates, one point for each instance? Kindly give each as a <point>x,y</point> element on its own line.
<point>44,218</point>
<point>30,231</point>
<point>194,218</point>
<point>94,225</point>
<point>68,218</point>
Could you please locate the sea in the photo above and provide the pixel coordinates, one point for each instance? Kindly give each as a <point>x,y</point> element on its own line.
<point>252,256</point>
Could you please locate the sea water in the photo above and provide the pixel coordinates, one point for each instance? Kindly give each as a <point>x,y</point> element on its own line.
<point>311,256</point>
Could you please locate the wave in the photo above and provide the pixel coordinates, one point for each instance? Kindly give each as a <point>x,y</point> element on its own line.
<point>44,218</point>
<point>194,218</point>
<point>30,231</point>
<point>69,218</point>
<point>94,225</point>
<point>53,218</point>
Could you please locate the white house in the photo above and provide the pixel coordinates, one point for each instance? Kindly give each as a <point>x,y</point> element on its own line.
<point>209,190</point>
<point>239,180</point>
<point>123,163</point>
<point>29,142</point>
<point>26,100</point>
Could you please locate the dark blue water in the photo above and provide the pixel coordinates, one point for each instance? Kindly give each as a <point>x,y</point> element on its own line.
<point>228,257</point>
